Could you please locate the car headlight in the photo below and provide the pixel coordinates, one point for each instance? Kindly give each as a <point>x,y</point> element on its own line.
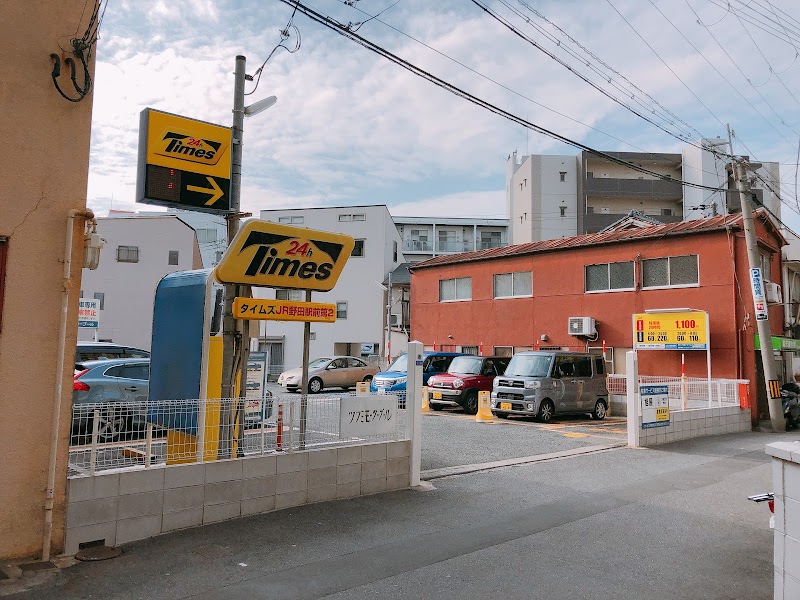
<point>533,385</point>
<point>458,383</point>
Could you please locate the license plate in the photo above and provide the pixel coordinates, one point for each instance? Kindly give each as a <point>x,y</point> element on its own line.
<point>505,406</point>
<point>437,395</point>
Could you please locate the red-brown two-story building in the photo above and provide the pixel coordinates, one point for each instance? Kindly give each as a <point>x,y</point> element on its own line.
<point>520,297</point>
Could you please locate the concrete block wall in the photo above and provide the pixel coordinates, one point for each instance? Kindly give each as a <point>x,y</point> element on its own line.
<point>786,487</point>
<point>698,422</point>
<point>125,506</point>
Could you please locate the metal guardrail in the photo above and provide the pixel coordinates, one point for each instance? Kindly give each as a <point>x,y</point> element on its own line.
<point>688,392</point>
<point>119,435</point>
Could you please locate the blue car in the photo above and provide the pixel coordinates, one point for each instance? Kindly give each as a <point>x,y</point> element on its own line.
<point>394,379</point>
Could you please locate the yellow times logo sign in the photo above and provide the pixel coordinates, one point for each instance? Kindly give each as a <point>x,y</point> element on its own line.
<point>274,255</point>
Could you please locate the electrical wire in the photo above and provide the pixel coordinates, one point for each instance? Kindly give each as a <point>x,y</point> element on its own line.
<point>495,82</point>
<point>343,31</point>
<point>738,68</point>
<point>284,35</point>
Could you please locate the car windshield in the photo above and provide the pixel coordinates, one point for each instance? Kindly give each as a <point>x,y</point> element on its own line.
<point>527,365</point>
<point>318,363</point>
<point>400,364</point>
<point>466,365</point>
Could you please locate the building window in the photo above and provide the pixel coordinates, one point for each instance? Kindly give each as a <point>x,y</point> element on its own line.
<point>173,257</point>
<point>666,212</point>
<point>447,241</point>
<point>394,251</point>
<point>294,295</point>
<point>206,236</point>
<point>419,240</point>
<point>341,310</point>
<point>358,249</point>
<point>563,175</point>
<point>609,276</point>
<point>563,210</point>
<point>473,350</point>
<point>455,289</point>
<point>513,285</point>
<point>101,298</point>
<point>503,351</point>
<point>353,217</point>
<point>128,254</point>
<point>670,271</point>
<point>490,239</point>
<point>292,220</point>
<point>765,260</point>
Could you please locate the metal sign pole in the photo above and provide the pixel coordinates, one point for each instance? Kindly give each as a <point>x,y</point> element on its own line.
<point>304,396</point>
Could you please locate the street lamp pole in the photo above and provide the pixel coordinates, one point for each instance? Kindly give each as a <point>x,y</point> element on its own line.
<point>231,333</point>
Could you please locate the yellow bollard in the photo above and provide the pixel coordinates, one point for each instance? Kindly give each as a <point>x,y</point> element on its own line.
<point>484,407</point>
<point>426,405</point>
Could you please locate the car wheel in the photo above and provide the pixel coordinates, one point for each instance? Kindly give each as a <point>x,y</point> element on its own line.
<point>315,385</point>
<point>471,403</point>
<point>546,410</point>
<point>112,425</point>
<point>500,415</point>
<point>599,412</point>
<point>367,379</point>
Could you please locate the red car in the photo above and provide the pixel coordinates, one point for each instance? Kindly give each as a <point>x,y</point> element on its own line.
<point>466,376</point>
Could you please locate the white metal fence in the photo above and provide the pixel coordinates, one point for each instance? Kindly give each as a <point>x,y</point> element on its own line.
<point>686,393</point>
<point>132,434</point>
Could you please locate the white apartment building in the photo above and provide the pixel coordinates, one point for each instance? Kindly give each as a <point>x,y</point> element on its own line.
<point>139,251</point>
<point>360,294</point>
<point>426,237</point>
<point>559,196</point>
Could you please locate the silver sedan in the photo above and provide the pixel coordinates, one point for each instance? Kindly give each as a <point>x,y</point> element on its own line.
<point>335,371</point>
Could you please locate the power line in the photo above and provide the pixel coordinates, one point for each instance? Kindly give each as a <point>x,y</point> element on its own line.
<point>738,68</point>
<point>487,78</point>
<point>343,31</point>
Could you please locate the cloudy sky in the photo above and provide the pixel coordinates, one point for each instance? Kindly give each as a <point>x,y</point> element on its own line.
<point>352,128</point>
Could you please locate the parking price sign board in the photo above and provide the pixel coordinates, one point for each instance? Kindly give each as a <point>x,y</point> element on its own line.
<point>89,314</point>
<point>655,405</point>
<point>670,331</point>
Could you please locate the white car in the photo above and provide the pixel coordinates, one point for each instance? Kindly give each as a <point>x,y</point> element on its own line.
<point>335,371</point>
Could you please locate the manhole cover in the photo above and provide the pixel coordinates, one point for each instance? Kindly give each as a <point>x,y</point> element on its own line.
<point>98,553</point>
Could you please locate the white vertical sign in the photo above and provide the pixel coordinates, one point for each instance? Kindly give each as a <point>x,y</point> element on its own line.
<point>758,294</point>
<point>89,314</point>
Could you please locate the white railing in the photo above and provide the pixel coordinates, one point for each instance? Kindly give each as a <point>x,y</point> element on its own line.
<point>686,393</point>
<point>116,435</point>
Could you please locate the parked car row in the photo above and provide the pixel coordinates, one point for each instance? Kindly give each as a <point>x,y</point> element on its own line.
<point>533,384</point>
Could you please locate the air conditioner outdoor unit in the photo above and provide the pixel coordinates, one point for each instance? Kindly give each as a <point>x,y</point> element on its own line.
<point>395,321</point>
<point>774,294</point>
<point>582,326</point>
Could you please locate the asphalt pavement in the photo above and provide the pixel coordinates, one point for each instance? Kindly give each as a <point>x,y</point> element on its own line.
<point>672,522</point>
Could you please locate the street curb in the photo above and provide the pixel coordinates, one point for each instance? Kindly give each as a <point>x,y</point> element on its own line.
<point>465,469</point>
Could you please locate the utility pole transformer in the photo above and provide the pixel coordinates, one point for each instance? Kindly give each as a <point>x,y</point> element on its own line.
<point>764,332</point>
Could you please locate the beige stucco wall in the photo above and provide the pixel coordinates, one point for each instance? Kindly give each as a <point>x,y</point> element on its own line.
<point>46,151</point>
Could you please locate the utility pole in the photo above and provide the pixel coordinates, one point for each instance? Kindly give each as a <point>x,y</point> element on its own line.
<point>231,350</point>
<point>762,318</point>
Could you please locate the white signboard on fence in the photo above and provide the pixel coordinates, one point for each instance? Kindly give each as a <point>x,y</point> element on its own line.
<point>362,416</point>
<point>89,314</point>
<point>655,405</point>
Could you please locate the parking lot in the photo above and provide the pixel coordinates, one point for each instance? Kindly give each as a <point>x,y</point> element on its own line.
<point>451,438</point>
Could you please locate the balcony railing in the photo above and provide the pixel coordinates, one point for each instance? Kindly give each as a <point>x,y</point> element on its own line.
<point>453,246</point>
<point>418,246</point>
<point>488,244</point>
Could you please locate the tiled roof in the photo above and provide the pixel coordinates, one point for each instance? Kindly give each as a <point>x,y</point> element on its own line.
<point>590,239</point>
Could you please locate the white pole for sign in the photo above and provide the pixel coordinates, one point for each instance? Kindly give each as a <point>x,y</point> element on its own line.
<point>708,358</point>
<point>414,408</point>
<point>632,391</point>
